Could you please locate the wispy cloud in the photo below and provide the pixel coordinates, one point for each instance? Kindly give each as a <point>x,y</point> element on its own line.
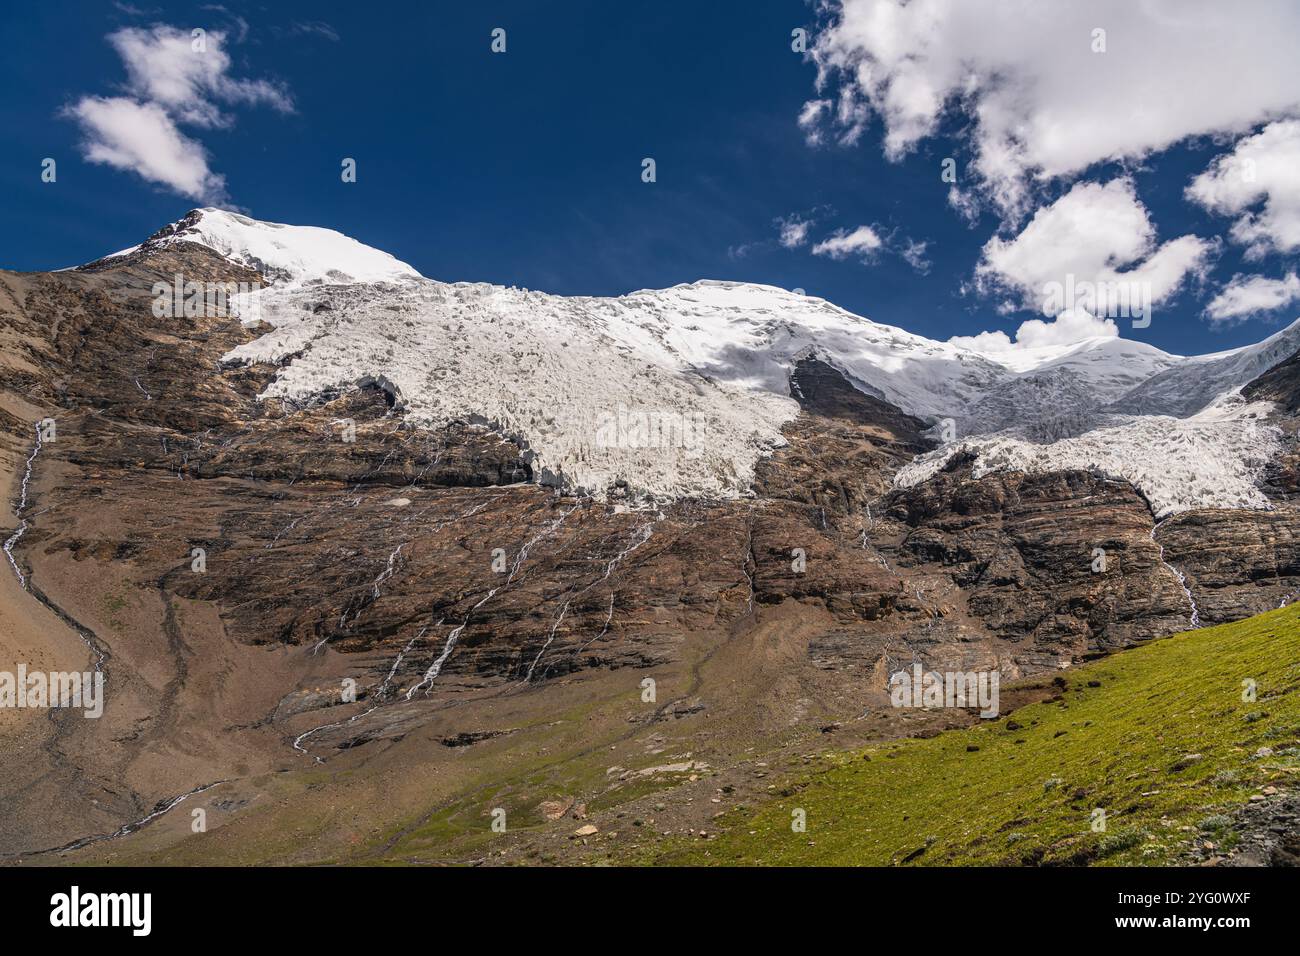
<point>868,243</point>
<point>862,242</point>
<point>131,10</point>
<point>913,253</point>
<point>794,231</point>
<point>314,27</point>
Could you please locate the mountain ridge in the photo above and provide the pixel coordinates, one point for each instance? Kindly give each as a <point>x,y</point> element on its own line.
<point>715,356</point>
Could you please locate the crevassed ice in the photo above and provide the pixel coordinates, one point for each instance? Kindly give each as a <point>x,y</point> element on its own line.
<point>679,392</point>
<point>1213,459</point>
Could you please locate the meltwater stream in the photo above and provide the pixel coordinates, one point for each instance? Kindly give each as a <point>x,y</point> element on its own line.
<point>18,512</point>
<point>1182,578</point>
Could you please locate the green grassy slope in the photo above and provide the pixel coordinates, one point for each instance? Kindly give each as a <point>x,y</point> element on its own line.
<point>1023,789</point>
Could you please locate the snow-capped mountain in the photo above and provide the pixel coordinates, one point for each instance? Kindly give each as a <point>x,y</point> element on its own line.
<point>679,392</point>
<point>1108,366</point>
<point>471,605</point>
<point>286,255</point>
<point>1193,383</point>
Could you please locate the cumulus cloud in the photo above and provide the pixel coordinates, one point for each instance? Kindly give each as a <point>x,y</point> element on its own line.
<point>1069,327</point>
<point>141,138</point>
<point>862,241</point>
<point>1095,234</point>
<point>1245,296</point>
<point>164,67</point>
<point>1041,102</point>
<point>1259,183</point>
<point>173,78</point>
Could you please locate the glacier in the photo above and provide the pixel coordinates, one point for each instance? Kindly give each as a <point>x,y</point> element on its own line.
<point>709,363</point>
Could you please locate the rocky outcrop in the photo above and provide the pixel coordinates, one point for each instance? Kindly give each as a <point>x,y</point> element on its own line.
<point>1066,559</point>
<point>823,391</point>
<point>1280,384</point>
<point>1237,563</point>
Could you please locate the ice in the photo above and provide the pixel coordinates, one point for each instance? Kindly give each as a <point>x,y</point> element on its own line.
<point>291,255</point>
<point>1213,459</point>
<point>669,393</point>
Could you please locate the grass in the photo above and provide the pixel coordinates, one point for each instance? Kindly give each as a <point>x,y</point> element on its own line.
<point>114,601</point>
<point>1117,736</point>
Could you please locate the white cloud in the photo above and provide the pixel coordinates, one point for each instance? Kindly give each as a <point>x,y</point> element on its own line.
<point>794,231</point>
<point>1097,234</point>
<point>164,67</point>
<point>810,120</point>
<point>913,253</point>
<point>173,78</point>
<point>1245,296</point>
<point>965,204</point>
<point>1259,183</point>
<point>141,137</point>
<point>1041,103</point>
<point>316,27</point>
<point>1067,328</point>
<point>867,242</point>
<point>862,241</point>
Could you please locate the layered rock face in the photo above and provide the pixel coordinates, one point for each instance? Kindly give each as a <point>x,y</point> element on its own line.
<point>339,525</point>
<point>334,540</point>
<point>1066,560</point>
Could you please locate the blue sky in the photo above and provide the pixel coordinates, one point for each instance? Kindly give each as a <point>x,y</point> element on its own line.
<point>524,168</point>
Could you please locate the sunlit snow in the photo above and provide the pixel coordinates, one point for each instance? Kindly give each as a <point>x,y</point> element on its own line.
<point>679,392</point>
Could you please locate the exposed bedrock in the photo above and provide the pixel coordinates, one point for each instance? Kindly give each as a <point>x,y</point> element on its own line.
<point>336,527</point>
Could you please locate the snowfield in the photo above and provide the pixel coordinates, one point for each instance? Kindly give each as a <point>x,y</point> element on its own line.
<point>289,255</point>
<point>577,388</point>
<point>1213,459</point>
<point>1197,381</point>
<point>680,392</point>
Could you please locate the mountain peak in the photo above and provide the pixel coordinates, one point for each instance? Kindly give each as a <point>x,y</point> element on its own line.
<point>283,253</point>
